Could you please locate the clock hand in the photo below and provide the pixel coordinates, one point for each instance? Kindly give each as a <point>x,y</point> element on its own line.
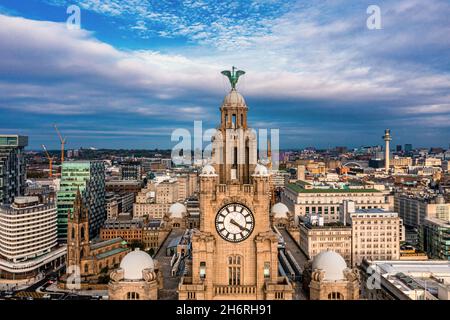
<point>232,221</point>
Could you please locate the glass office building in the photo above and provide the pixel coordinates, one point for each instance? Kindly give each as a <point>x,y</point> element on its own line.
<point>434,238</point>
<point>89,178</point>
<point>12,167</point>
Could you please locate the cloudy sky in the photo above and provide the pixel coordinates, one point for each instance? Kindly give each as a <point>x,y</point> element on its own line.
<point>137,70</point>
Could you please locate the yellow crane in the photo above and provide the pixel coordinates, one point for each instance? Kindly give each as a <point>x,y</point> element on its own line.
<point>50,162</point>
<point>63,142</point>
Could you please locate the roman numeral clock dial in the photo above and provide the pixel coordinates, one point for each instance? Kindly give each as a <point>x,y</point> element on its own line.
<point>235,222</point>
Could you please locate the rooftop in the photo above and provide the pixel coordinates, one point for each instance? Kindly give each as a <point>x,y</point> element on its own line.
<point>174,242</point>
<point>122,182</point>
<point>439,222</point>
<point>105,243</point>
<point>373,210</point>
<point>330,225</point>
<point>111,252</point>
<point>297,188</point>
<point>13,140</point>
<point>411,277</point>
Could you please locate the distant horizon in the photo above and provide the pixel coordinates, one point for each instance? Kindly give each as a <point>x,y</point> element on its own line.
<point>281,149</point>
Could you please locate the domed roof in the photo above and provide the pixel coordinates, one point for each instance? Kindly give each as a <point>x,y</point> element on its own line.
<point>280,211</point>
<point>234,99</point>
<point>208,170</point>
<point>177,210</point>
<point>332,263</point>
<point>134,263</point>
<point>260,170</point>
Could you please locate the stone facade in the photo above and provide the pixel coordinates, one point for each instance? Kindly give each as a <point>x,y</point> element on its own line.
<point>137,278</point>
<point>240,264</point>
<point>327,277</point>
<point>306,200</point>
<point>122,289</point>
<point>85,258</point>
<point>315,239</point>
<point>347,289</point>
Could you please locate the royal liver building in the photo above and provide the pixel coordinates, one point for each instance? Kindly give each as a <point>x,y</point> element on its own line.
<point>234,252</point>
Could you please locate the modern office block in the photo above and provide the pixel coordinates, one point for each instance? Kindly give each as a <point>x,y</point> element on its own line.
<point>12,167</point>
<point>28,238</point>
<point>89,178</point>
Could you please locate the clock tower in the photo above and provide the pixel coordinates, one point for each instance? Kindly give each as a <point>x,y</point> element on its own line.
<point>235,251</point>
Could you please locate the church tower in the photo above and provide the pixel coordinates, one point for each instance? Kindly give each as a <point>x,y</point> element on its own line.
<point>235,251</point>
<point>77,233</point>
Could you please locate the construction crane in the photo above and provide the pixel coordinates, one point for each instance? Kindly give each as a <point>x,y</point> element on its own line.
<point>63,142</point>
<point>50,162</point>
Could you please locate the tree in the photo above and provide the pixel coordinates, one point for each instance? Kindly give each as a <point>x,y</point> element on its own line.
<point>104,270</point>
<point>104,279</point>
<point>137,244</point>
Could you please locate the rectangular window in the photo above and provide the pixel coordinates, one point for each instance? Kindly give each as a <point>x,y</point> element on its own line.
<point>266,270</point>
<point>202,270</point>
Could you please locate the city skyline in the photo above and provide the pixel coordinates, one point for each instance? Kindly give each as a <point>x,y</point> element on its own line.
<point>134,73</point>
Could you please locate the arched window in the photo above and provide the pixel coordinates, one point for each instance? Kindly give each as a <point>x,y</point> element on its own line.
<point>132,296</point>
<point>73,233</point>
<point>81,253</point>
<point>335,296</point>
<point>86,268</point>
<point>234,270</point>
<point>82,233</point>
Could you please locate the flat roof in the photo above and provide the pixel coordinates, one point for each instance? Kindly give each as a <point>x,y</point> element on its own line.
<point>174,242</point>
<point>299,189</point>
<point>133,182</point>
<point>13,140</point>
<point>374,211</point>
<point>410,276</point>
<point>26,199</point>
<point>437,267</point>
<point>439,222</point>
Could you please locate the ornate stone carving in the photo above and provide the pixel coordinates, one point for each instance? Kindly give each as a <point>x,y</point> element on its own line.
<point>116,275</point>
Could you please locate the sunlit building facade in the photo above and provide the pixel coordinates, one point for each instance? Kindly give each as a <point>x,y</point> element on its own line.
<point>89,178</point>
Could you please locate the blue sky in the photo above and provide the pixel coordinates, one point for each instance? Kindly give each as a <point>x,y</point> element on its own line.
<point>137,70</point>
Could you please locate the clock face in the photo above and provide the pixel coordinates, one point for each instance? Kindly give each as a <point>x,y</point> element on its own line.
<point>235,222</point>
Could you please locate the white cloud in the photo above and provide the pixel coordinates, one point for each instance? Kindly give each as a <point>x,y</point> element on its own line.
<point>311,54</point>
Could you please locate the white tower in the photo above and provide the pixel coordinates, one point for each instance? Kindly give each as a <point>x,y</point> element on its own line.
<point>387,138</point>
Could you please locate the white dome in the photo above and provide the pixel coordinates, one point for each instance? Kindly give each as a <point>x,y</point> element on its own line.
<point>208,170</point>
<point>177,210</point>
<point>280,211</point>
<point>331,263</point>
<point>260,170</point>
<point>234,99</point>
<point>134,263</point>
